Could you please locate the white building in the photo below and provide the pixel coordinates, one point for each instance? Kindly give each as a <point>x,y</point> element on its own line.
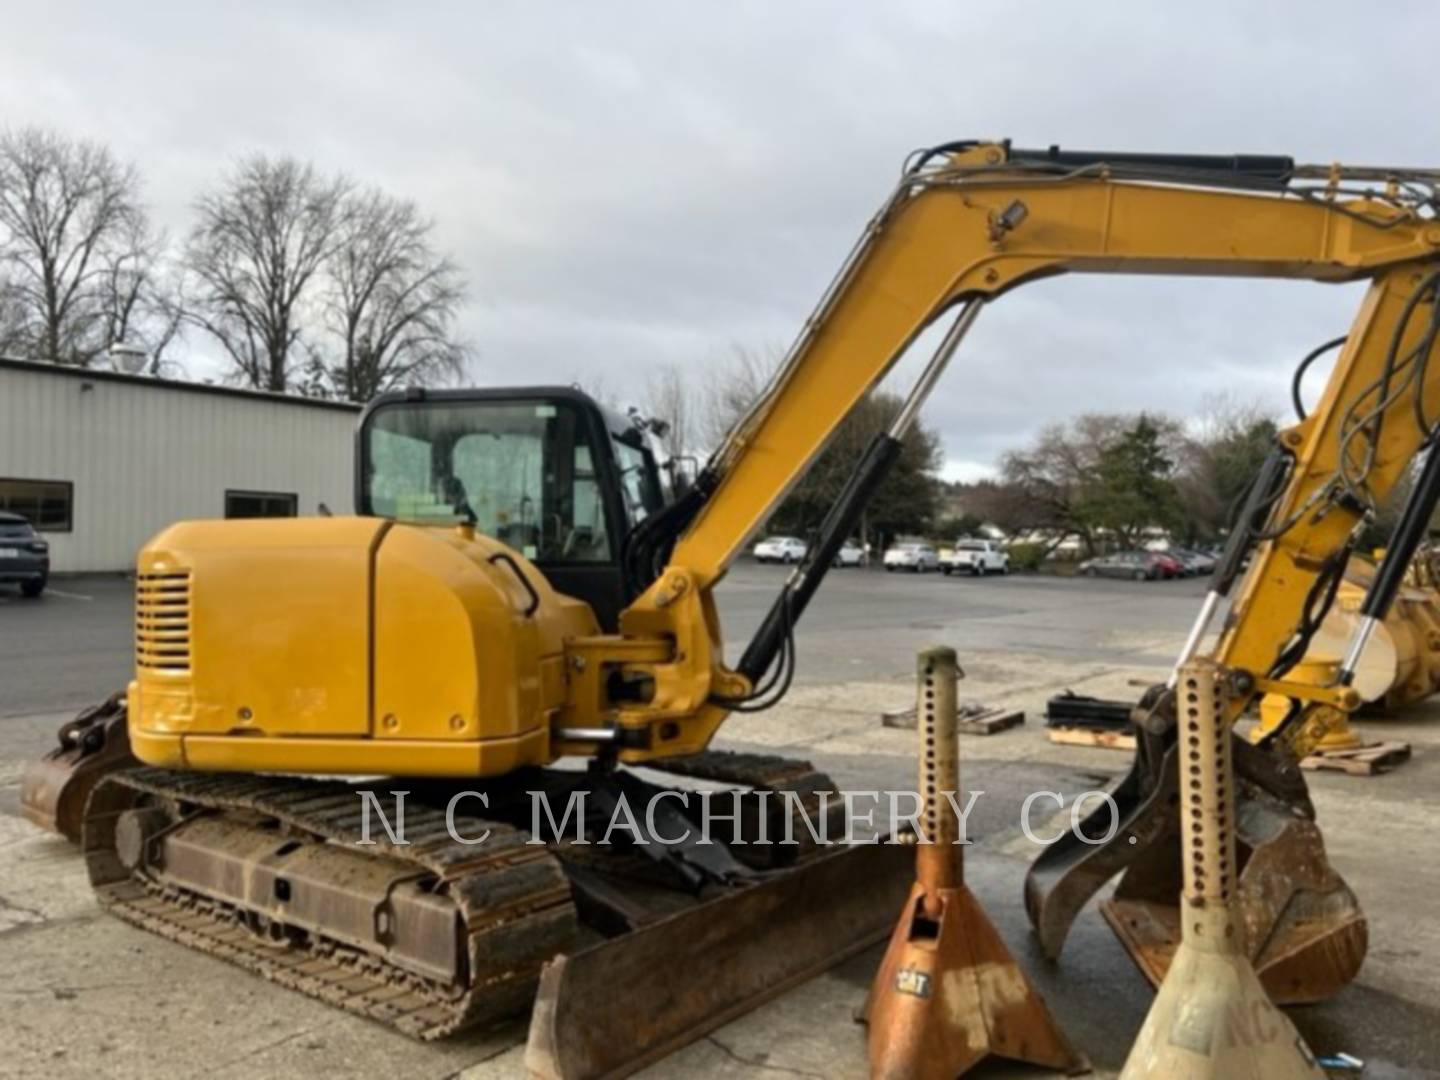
<point>100,461</point>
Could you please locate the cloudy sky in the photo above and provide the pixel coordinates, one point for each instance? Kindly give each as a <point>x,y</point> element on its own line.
<point>633,184</point>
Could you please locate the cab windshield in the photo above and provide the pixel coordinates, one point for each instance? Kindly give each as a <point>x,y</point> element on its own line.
<point>523,471</point>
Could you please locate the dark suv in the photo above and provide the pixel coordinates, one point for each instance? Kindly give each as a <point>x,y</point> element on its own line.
<point>24,557</point>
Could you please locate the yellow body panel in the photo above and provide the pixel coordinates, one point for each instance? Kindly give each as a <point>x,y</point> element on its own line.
<point>342,757</point>
<point>277,623</point>
<point>345,645</point>
<point>459,660</point>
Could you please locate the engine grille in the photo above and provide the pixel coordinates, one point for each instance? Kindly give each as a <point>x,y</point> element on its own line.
<point>162,621</point>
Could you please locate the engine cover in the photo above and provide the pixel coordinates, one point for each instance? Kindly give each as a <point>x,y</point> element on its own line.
<point>345,645</point>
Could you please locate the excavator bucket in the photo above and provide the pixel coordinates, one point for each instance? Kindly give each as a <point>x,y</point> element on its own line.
<point>1301,927</point>
<point>1304,929</point>
<point>54,789</point>
<point>688,974</point>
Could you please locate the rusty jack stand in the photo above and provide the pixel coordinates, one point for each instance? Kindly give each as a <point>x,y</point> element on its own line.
<point>948,993</point>
<point>1212,1020</point>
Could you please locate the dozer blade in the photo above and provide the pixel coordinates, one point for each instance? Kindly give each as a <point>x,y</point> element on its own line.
<point>690,973</point>
<point>54,789</point>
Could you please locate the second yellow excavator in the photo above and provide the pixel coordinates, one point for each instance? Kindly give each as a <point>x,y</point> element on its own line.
<point>518,589</point>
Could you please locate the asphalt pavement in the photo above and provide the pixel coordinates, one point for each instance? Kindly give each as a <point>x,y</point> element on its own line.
<point>66,648</point>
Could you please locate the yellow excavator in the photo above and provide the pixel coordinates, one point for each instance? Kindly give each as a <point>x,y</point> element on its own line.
<point>518,590</point>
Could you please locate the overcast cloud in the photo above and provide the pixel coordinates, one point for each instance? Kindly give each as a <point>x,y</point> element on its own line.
<point>627,184</point>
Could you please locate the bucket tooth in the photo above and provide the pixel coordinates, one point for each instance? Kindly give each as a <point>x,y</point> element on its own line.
<point>948,994</point>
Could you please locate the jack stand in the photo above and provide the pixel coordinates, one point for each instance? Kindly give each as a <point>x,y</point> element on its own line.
<point>1212,1020</point>
<point>948,993</point>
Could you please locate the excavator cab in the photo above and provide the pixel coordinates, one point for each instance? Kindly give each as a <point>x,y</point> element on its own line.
<point>547,471</point>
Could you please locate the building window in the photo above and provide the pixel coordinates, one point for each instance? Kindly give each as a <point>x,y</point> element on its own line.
<point>46,504</point>
<point>259,504</point>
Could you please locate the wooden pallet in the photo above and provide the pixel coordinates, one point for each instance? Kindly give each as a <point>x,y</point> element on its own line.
<point>1104,738</point>
<point>1368,760</point>
<point>975,718</point>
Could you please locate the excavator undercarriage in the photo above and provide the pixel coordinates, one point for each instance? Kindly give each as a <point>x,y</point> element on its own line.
<point>288,879</point>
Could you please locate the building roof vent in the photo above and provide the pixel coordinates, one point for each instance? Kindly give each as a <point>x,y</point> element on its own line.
<point>130,359</point>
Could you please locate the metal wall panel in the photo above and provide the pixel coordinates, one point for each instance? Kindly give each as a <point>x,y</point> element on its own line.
<point>142,453</point>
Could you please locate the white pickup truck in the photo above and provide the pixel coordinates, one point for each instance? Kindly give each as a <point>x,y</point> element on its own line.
<point>975,557</point>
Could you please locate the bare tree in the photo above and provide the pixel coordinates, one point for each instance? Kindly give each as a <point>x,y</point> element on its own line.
<point>142,294</point>
<point>1227,443</point>
<point>391,300</point>
<point>732,387</point>
<point>262,237</point>
<point>67,208</point>
<point>670,397</point>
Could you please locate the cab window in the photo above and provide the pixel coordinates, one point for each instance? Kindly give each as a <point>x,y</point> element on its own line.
<point>637,477</point>
<point>523,472</point>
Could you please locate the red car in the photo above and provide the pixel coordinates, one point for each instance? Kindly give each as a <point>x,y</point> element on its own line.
<point>1168,565</point>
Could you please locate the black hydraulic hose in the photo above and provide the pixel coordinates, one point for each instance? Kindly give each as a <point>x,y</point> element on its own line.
<point>649,544</point>
<point>1265,488</point>
<point>1261,170</point>
<point>838,524</point>
<point>1318,602</point>
<point>921,158</point>
<point>1405,540</point>
<point>1310,358</point>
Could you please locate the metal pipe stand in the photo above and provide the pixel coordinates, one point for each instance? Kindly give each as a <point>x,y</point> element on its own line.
<point>948,993</point>
<point>1212,1020</point>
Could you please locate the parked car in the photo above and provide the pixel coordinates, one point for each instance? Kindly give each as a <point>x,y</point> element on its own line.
<point>917,558</point>
<point>1139,565</point>
<point>781,549</point>
<point>1195,561</point>
<point>24,557</point>
<point>975,557</point>
<point>1170,566</point>
<point>851,554</point>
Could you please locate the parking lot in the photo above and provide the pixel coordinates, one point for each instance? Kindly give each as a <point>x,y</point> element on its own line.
<point>86,995</point>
